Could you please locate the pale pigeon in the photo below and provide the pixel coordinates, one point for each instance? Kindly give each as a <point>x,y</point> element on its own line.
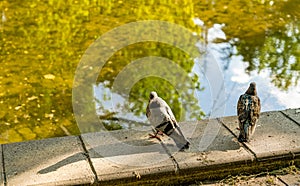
<point>162,118</point>
<point>248,110</point>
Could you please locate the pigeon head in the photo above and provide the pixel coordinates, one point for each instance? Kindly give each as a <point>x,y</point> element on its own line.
<point>252,89</point>
<point>153,95</point>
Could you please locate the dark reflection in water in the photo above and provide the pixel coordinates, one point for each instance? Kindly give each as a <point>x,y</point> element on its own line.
<point>43,42</point>
<point>155,67</point>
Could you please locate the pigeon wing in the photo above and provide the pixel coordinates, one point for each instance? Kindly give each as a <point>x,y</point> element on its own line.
<point>255,109</point>
<point>156,111</point>
<point>148,113</point>
<point>241,109</point>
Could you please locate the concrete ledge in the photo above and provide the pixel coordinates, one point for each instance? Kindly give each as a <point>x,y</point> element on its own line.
<point>56,161</point>
<point>129,157</point>
<point>291,179</point>
<point>2,170</point>
<point>292,114</point>
<point>275,135</point>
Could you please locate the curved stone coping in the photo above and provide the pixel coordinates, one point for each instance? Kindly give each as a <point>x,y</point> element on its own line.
<point>128,156</point>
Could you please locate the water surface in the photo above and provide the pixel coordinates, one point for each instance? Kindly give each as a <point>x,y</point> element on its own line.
<point>42,43</point>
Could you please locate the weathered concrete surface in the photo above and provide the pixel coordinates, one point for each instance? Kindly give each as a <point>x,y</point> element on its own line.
<point>56,161</point>
<point>267,180</point>
<point>224,152</point>
<point>126,154</point>
<point>252,181</point>
<point>1,168</point>
<point>275,135</point>
<point>294,114</point>
<point>291,179</point>
<point>130,157</point>
<point>222,143</point>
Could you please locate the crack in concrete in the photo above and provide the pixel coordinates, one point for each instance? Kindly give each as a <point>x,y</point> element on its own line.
<point>3,167</point>
<point>282,181</point>
<point>243,143</point>
<point>287,116</point>
<point>86,154</point>
<point>176,165</point>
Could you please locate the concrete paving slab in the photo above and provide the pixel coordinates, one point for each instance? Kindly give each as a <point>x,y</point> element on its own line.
<point>222,153</point>
<point>201,140</point>
<point>245,181</point>
<point>291,179</point>
<point>126,154</point>
<point>275,135</point>
<point>266,180</point>
<point>56,161</point>
<point>1,168</point>
<point>205,136</point>
<point>294,114</point>
<point>130,157</point>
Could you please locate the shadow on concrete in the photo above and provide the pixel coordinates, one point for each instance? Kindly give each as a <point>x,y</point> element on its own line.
<point>71,159</point>
<point>223,142</point>
<point>94,153</point>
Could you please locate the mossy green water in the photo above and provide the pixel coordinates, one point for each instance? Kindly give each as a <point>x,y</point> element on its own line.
<point>42,42</point>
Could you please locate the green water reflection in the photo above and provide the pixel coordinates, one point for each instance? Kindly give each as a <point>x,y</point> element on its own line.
<point>42,43</point>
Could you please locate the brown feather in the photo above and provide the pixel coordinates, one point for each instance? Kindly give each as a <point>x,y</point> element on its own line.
<point>248,110</point>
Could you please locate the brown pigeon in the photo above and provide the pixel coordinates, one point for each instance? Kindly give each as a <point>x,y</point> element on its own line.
<point>162,118</point>
<point>248,110</point>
